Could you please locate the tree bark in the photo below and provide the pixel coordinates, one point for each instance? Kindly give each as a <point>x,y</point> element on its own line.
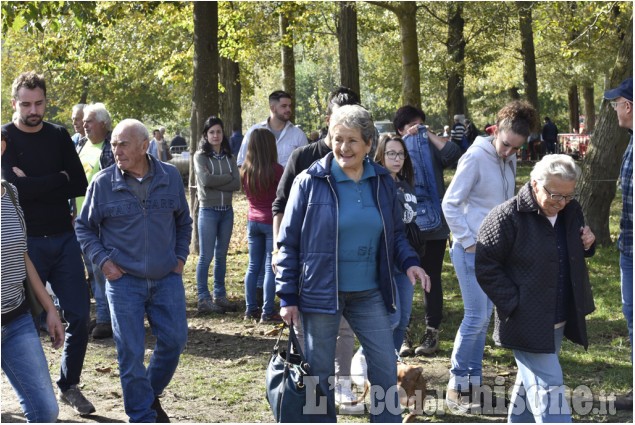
<point>204,90</point>
<point>288,61</point>
<point>527,50</point>
<point>601,165</point>
<point>230,109</point>
<point>406,13</point>
<point>589,107</point>
<point>574,108</point>
<point>513,93</point>
<point>455,101</point>
<point>347,38</point>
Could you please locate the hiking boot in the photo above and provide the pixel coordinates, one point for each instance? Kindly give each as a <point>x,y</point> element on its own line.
<point>74,398</point>
<point>429,342</point>
<point>206,306</point>
<point>457,402</point>
<point>345,400</point>
<point>102,330</point>
<point>624,402</point>
<point>252,314</point>
<point>406,346</point>
<point>225,304</point>
<point>273,318</point>
<point>162,417</point>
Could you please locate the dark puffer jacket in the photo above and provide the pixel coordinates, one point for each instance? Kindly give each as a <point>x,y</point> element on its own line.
<point>517,266</point>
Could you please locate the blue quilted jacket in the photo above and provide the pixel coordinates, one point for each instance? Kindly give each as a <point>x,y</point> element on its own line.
<point>307,261</point>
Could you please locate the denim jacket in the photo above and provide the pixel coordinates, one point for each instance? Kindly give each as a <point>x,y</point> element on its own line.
<point>144,240</point>
<point>307,261</point>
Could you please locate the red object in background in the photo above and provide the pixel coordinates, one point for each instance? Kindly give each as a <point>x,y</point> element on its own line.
<point>572,143</point>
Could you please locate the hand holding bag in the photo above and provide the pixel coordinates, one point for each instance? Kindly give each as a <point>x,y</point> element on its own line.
<point>286,389</point>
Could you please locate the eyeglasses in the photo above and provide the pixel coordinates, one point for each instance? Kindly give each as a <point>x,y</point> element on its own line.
<point>615,103</point>
<point>394,155</point>
<point>556,197</point>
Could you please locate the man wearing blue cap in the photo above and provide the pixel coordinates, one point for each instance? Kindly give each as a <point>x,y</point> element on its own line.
<point>622,101</point>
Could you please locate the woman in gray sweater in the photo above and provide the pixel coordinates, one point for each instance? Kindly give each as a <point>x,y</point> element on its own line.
<point>217,178</point>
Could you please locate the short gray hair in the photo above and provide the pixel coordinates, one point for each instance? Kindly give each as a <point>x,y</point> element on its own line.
<point>140,129</point>
<point>556,165</point>
<point>353,117</point>
<point>79,107</point>
<point>101,113</point>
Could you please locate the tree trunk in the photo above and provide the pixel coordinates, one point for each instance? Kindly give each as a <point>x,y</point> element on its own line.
<point>288,61</point>
<point>589,107</point>
<point>601,165</point>
<point>230,110</point>
<point>347,38</point>
<point>513,93</point>
<point>527,50</point>
<point>204,90</point>
<point>85,85</point>
<point>574,108</point>
<point>411,77</point>
<point>455,102</point>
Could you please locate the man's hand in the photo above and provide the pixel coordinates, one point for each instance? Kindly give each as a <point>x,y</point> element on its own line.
<point>112,271</point>
<point>587,237</point>
<point>416,272</point>
<point>56,329</point>
<point>290,314</point>
<point>18,172</point>
<point>179,266</point>
<point>471,249</point>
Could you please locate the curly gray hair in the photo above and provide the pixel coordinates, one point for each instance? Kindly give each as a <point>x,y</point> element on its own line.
<point>557,165</point>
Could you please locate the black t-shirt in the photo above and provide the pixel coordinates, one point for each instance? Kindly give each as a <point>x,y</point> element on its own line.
<point>45,191</point>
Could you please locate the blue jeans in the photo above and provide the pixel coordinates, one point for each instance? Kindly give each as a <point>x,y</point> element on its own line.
<point>163,301</point>
<point>401,317</point>
<point>214,234</point>
<point>26,368</point>
<point>538,394</point>
<point>58,260</point>
<point>626,269</point>
<point>260,238</point>
<point>366,313</point>
<point>99,292</point>
<point>467,355</point>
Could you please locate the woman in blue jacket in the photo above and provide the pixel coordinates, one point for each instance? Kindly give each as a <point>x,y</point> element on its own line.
<point>337,246</point>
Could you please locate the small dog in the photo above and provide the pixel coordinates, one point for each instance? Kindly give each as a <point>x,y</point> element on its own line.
<point>410,379</point>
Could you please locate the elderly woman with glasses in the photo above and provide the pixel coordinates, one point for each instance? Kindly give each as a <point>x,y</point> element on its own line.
<point>340,238</point>
<point>530,262</point>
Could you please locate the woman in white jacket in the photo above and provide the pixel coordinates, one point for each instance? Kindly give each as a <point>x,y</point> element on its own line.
<point>485,177</point>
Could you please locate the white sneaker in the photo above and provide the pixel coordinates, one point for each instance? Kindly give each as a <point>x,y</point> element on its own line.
<point>359,369</point>
<point>344,398</point>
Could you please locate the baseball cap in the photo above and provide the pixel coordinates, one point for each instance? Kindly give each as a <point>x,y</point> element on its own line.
<point>625,90</point>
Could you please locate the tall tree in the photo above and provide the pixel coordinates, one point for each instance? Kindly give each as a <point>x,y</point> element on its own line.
<point>527,51</point>
<point>406,12</point>
<point>230,110</point>
<point>589,107</point>
<point>601,165</point>
<point>347,38</point>
<point>288,59</point>
<point>455,101</point>
<point>204,90</point>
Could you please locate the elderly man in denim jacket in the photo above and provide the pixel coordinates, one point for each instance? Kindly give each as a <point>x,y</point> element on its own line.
<point>135,224</point>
